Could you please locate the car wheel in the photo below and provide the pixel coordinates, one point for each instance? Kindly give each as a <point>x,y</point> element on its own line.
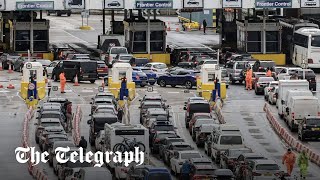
<point>69,14</point>
<point>162,83</point>
<point>48,14</point>
<point>233,82</point>
<point>173,85</point>
<point>188,84</point>
<point>92,81</point>
<point>142,85</point>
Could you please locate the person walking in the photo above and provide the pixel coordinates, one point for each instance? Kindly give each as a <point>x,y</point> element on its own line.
<point>204,23</point>
<point>303,163</point>
<point>249,79</point>
<point>63,81</point>
<point>83,143</point>
<point>49,87</point>
<point>289,158</point>
<point>120,115</point>
<point>269,73</point>
<point>185,170</point>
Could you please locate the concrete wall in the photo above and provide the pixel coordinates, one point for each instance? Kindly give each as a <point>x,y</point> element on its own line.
<point>199,16</point>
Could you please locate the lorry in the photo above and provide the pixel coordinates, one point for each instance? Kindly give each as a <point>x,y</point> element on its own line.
<point>284,86</point>
<point>125,137</point>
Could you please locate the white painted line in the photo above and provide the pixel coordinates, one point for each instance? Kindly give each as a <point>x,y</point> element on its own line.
<point>88,91</point>
<point>172,92</point>
<point>67,90</point>
<point>76,37</point>
<point>4,91</point>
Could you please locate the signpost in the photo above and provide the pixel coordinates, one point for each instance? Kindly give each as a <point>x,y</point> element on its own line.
<point>273,3</point>
<point>55,88</point>
<point>231,4</point>
<point>309,3</point>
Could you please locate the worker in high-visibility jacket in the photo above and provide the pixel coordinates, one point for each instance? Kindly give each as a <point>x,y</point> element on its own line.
<point>269,73</point>
<point>63,81</point>
<point>249,79</point>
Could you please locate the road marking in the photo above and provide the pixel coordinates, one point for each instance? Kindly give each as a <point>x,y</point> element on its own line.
<point>4,91</point>
<point>173,92</point>
<point>75,37</point>
<point>88,91</point>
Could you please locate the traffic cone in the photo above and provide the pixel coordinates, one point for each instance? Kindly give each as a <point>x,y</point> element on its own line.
<point>10,69</point>
<point>1,69</point>
<point>168,29</point>
<point>1,86</point>
<point>11,86</point>
<point>76,83</point>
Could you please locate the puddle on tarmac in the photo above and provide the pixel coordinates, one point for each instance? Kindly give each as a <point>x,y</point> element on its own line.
<point>254,130</point>
<point>258,136</point>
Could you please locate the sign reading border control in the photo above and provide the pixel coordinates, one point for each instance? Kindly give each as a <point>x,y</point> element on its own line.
<point>35,5</point>
<point>154,4</point>
<point>309,3</point>
<point>273,3</point>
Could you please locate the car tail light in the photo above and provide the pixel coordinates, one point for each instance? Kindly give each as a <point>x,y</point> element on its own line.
<point>137,77</point>
<point>310,61</point>
<point>81,70</point>
<point>292,115</point>
<point>256,174</point>
<point>153,131</point>
<point>258,85</point>
<point>318,113</point>
<point>230,161</point>
<point>157,140</point>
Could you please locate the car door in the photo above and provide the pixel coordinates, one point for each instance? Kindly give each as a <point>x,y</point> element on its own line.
<point>57,70</point>
<point>172,78</point>
<point>69,68</point>
<point>51,67</point>
<point>182,77</point>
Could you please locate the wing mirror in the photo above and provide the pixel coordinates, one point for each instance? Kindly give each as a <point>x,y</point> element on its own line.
<point>282,102</point>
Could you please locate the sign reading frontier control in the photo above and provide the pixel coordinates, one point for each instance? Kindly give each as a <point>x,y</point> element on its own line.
<point>154,4</point>
<point>35,5</point>
<point>273,3</point>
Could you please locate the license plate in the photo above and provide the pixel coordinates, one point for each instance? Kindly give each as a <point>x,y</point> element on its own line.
<point>85,76</point>
<point>267,174</point>
<point>151,79</point>
<point>315,129</point>
<point>100,70</point>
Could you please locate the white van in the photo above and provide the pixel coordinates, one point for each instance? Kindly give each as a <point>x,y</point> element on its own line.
<point>292,93</point>
<point>113,52</point>
<point>284,86</point>
<point>227,136</point>
<point>300,107</point>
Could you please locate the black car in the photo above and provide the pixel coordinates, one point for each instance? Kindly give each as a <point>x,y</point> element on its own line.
<point>196,106</point>
<point>52,114</point>
<point>310,76</point>
<point>263,65</point>
<point>166,142</point>
<point>158,136</point>
<point>261,84</point>
<point>309,127</point>
<point>97,124</point>
<point>147,105</point>
<point>85,70</point>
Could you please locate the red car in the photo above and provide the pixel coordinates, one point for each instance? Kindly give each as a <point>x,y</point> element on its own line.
<point>197,116</point>
<point>202,172</point>
<point>102,69</point>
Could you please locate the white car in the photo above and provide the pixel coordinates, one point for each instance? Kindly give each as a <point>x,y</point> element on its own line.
<point>51,67</point>
<point>272,98</point>
<point>287,72</point>
<point>263,169</point>
<point>179,157</point>
<point>268,88</point>
<point>99,140</point>
<point>157,67</point>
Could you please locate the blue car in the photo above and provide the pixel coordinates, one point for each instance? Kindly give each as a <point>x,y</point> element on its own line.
<point>140,78</point>
<point>152,76</point>
<point>180,77</point>
<point>147,172</point>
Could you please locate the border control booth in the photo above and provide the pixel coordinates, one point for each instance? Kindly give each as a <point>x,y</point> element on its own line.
<point>136,39</point>
<point>261,39</point>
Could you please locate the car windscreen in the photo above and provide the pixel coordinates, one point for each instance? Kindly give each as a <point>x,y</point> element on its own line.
<point>229,139</point>
<point>119,51</point>
<point>164,135</point>
<point>237,153</point>
<point>51,140</point>
<point>159,176</point>
<point>164,128</point>
<point>241,65</point>
<point>224,73</point>
<point>199,107</point>
<point>200,122</point>
<point>47,124</point>
<point>147,71</point>
<point>313,122</point>
<point>126,58</point>
<point>102,65</point>
<point>190,155</point>
<point>182,147</point>
<point>99,123</point>
<point>211,62</point>
<point>160,66</point>
<point>89,66</point>
<point>202,163</point>
<point>269,167</point>
<point>141,74</point>
<point>205,171</point>
<point>151,106</point>
<point>77,164</point>
<point>315,42</point>
<point>53,116</point>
